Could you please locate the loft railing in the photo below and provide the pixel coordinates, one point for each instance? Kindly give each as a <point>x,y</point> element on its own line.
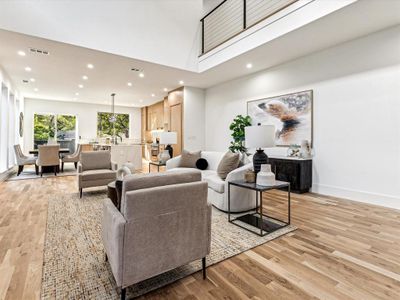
<point>232,17</point>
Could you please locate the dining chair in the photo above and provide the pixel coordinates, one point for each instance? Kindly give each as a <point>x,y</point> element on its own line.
<point>23,160</point>
<point>48,156</point>
<point>73,158</point>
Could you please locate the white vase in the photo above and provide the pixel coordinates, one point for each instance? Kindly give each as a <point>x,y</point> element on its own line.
<point>164,156</point>
<point>265,177</point>
<point>305,150</point>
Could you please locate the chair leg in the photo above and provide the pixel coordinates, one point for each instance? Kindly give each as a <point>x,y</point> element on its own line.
<point>41,171</point>
<point>203,263</point>
<point>80,193</point>
<point>20,169</point>
<point>37,169</point>
<point>62,167</point>
<point>123,294</point>
<point>76,165</point>
<point>55,170</point>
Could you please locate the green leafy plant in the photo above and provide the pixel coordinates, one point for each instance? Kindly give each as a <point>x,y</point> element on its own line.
<point>237,127</point>
<point>105,127</point>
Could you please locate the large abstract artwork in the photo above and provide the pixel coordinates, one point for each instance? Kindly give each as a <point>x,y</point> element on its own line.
<point>291,114</point>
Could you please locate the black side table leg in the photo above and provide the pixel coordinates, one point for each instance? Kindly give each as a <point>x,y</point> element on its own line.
<point>229,202</point>
<point>289,204</point>
<point>261,214</point>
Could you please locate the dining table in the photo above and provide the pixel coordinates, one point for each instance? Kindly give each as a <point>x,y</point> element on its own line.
<point>61,151</point>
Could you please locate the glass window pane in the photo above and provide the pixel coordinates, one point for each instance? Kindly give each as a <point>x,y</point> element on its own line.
<point>43,129</point>
<point>105,126</point>
<point>66,131</point>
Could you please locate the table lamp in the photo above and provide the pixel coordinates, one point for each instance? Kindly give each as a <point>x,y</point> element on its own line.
<point>260,136</point>
<point>168,138</point>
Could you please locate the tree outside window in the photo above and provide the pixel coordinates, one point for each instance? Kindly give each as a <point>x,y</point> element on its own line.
<point>105,127</point>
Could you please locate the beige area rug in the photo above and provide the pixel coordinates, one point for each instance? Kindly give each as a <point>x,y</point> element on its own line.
<point>29,173</point>
<point>74,266</point>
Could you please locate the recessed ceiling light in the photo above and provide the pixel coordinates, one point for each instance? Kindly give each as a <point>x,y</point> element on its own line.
<point>165,90</point>
<point>76,94</point>
<point>21,53</point>
<point>90,66</point>
<point>249,66</point>
<point>129,83</point>
<point>153,95</point>
<point>141,100</point>
<point>181,82</point>
<point>84,77</point>
<point>32,79</point>
<point>80,86</point>
<point>141,75</point>
<point>36,89</point>
<point>28,69</point>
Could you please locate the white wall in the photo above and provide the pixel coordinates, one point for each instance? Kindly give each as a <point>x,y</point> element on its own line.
<point>86,117</point>
<point>193,118</point>
<point>356,114</point>
<point>11,103</point>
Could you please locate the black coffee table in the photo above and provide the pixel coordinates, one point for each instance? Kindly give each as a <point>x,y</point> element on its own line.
<point>257,219</point>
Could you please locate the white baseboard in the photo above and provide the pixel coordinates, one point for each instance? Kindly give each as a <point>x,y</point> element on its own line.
<point>360,196</point>
<point>7,174</point>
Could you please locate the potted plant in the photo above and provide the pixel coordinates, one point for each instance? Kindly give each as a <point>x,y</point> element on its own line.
<point>237,127</point>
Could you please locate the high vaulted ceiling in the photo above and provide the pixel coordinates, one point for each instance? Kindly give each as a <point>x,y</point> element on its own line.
<point>161,31</point>
<point>59,74</point>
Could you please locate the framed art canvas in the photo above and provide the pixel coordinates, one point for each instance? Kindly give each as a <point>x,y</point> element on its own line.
<point>292,115</point>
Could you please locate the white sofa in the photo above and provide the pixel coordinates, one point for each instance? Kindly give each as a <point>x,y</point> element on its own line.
<point>241,199</point>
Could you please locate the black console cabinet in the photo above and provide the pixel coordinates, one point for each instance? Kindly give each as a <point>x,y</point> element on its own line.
<point>296,171</point>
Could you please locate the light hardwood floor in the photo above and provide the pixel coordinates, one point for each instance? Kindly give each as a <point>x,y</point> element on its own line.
<point>341,250</point>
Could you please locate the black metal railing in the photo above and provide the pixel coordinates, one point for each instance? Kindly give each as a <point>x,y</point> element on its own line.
<point>232,17</point>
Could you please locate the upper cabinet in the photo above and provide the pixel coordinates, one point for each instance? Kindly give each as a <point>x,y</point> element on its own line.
<point>165,115</point>
<point>155,116</point>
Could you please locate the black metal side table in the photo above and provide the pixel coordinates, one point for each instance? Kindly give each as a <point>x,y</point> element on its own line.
<point>158,164</point>
<point>257,219</point>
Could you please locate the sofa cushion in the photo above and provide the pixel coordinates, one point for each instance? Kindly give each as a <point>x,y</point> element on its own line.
<point>98,174</point>
<point>215,183</point>
<point>188,159</point>
<point>229,162</point>
<point>201,164</point>
<point>206,173</point>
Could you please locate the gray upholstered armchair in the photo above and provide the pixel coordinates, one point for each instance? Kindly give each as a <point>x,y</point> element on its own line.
<point>48,156</point>
<point>95,169</point>
<point>23,160</point>
<point>164,223</point>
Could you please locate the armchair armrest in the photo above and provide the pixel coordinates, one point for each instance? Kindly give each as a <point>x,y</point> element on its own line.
<point>113,227</point>
<point>173,163</point>
<point>114,166</point>
<point>80,168</point>
<point>238,173</point>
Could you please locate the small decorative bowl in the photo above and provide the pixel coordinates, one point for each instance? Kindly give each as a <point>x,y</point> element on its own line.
<point>250,177</point>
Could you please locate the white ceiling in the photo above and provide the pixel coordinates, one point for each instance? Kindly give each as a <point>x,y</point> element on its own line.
<point>59,74</point>
<point>161,31</point>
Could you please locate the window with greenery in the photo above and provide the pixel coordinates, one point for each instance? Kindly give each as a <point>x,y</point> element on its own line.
<point>60,127</point>
<point>105,126</point>
<point>43,128</point>
<point>66,127</point>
